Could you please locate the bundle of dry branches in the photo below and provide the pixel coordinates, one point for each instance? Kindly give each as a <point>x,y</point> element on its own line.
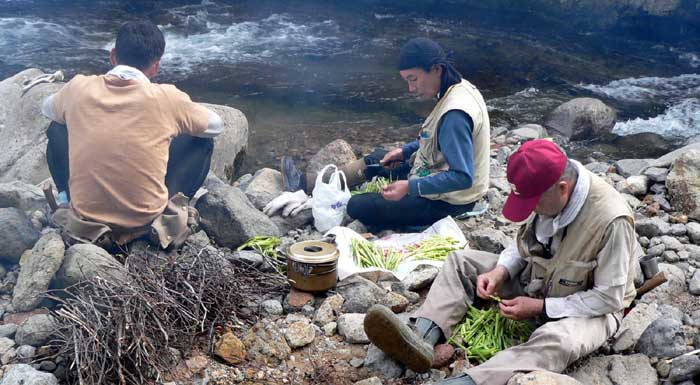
<point>124,332</point>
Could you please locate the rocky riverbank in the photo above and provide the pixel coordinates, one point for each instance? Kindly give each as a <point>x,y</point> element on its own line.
<point>290,337</point>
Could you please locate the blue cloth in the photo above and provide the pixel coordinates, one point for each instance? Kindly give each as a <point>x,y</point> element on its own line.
<point>456,144</point>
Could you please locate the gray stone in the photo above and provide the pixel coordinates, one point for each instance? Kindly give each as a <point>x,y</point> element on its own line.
<point>329,310</point>
<point>86,261</point>
<point>668,291</point>
<point>542,378</point>
<point>683,183</point>
<point>351,327</point>
<point>265,186</point>
<point>503,154</point>
<point>668,159</point>
<point>616,370</point>
<point>637,184</point>
<point>231,145</point>
<point>23,374</point>
<point>5,345</point>
<point>337,152</point>
<point>272,306</point>
<point>230,219</point>
<point>359,293</point>
<point>25,353</point>
<point>632,201</point>
<point>663,338</point>
<point>678,230</point>
<point>630,167</point>
<point>300,334</point>
<point>656,174</point>
<point>633,325</point>
<point>421,277</point>
<point>694,284</point>
<point>35,330</point>
<point>581,118</point>
<point>379,362</point>
<point>24,196</point>
<point>658,188</point>
<point>528,132</point>
<point>247,257</point>
<point>693,229</point>
<point>492,241</point>
<point>357,227</point>
<point>37,269</point>
<point>684,368</point>
<point>47,366</point>
<point>651,227</point>
<point>693,252</point>
<point>265,343</point>
<point>293,222</point>
<point>356,362</point>
<point>656,250</point>
<point>370,381</point>
<point>330,329</point>
<point>16,234</point>
<point>9,357</point>
<point>599,168</point>
<point>671,312</point>
<point>7,330</point>
<point>671,256</point>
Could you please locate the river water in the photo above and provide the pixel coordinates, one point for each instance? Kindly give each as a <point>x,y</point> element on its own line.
<point>307,72</point>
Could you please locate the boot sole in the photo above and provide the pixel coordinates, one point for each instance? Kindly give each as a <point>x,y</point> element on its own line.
<point>396,339</point>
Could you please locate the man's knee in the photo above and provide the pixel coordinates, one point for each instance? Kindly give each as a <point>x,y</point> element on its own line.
<point>356,207</point>
<point>57,131</point>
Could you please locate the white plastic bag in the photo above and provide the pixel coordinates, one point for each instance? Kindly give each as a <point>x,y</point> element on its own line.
<point>330,199</point>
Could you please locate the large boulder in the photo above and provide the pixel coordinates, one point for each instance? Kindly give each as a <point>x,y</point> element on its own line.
<point>86,261</point>
<point>23,156</point>
<point>359,293</point>
<point>37,269</point>
<point>616,370</point>
<point>24,196</point>
<point>581,118</point>
<point>633,325</point>
<point>664,338</point>
<point>229,218</point>
<point>630,167</point>
<point>265,186</point>
<point>23,374</point>
<point>668,159</point>
<point>337,152</point>
<point>683,184</point>
<point>230,146</point>
<point>16,234</point>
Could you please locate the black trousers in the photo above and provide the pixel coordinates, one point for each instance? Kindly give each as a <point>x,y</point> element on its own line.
<point>373,210</point>
<point>188,164</point>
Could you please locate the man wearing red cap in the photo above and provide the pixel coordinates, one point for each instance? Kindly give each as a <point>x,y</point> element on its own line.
<point>571,269</point>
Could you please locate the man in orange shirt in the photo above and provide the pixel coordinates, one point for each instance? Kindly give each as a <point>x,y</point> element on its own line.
<point>131,151</point>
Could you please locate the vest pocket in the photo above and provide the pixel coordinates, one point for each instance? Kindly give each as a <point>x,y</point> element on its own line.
<point>571,277</point>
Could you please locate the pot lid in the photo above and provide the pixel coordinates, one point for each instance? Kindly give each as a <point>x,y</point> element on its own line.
<point>313,252</point>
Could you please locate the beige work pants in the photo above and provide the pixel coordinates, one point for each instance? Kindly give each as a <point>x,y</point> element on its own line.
<point>552,347</point>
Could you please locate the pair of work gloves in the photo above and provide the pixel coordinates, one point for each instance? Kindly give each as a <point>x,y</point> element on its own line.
<point>290,203</point>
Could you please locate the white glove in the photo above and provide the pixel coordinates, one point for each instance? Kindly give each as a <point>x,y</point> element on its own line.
<point>289,202</point>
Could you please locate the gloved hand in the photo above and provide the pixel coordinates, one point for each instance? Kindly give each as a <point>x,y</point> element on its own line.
<point>291,203</point>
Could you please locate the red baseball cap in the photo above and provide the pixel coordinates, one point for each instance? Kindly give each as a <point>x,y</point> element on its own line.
<point>535,167</point>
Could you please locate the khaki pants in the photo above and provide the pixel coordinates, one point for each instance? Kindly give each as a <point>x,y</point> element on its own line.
<point>552,347</point>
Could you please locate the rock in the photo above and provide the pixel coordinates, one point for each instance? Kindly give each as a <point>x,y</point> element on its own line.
<point>420,278</point>
<point>651,227</point>
<point>230,219</point>
<point>36,330</point>
<point>230,146</point>
<point>442,355</point>
<point>395,301</point>
<point>581,118</point>
<point>7,330</point>
<point>272,307</point>
<point>656,174</point>
<point>694,284</point>
<point>664,338</point>
<point>25,354</point>
<point>23,156</point>
<point>265,343</point>
<point>16,233</point>
<point>668,159</point>
<point>87,261</point>
<point>678,230</point>
<point>370,381</point>
<point>630,167</point>
<point>693,229</point>
<point>616,370</point>
<point>631,200</point>
<point>377,361</point>
<point>247,258</point>
<point>23,196</point>
<point>542,378</point>
<point>359,293</point>
<point>199,240</point>
<point>683,184</point>
<point>5,345</point>
<point>293,222</point>
<point>37,269</point>
<point>300,334</point>
<point>297,299</point>
<point>633,325</point>
<point>671,243</point>
<point>23,374</point>
<point>528,132</point>
<point>637,184</point>
<point>351,327</point>
<point>337,152</point>
<point>656,250</point>
<point>329,310</point>
<point>330,329</point>
<point>265,186</point>
<point>648,144</point>
<point>357,227</point>
<point>667,292</point>
<point>492,241</point>
<point>684,368</point>
<point>599,168</point>
<point>9,357</point>
<point>197,364</point>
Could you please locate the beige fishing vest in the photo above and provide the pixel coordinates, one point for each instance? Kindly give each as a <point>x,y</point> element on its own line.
<point>571,268</point>
<point>428,160</point>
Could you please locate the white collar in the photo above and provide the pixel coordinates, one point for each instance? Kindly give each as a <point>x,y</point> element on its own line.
<point>126,72</point>
<point>548,226</point>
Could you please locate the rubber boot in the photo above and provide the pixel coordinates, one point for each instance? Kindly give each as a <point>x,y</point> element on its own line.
<point>354,172</point>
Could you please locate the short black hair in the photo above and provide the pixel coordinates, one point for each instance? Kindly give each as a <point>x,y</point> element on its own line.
<point>139,44</point>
